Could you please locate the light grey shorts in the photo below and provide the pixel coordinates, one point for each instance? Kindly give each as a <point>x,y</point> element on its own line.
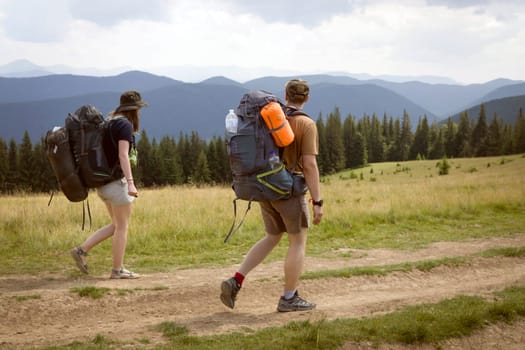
<point>115,193</point>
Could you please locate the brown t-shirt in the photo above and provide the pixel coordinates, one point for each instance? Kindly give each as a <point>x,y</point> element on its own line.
<point>306,141</point>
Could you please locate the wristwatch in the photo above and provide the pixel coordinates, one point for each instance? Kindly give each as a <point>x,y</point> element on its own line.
<point>319,203</point>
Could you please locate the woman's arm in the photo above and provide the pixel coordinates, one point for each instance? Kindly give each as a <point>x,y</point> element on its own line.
<point>123,156</point>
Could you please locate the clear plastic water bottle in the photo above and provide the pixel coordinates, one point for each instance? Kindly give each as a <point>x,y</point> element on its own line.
<point>231,122</point>
<point>274,160</point>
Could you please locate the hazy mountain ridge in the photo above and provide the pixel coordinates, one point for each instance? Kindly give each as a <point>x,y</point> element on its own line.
<point>36,104</point>
<point>507,109</point>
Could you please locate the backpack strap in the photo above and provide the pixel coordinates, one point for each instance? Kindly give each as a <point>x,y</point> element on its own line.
<point>292,111</point>
<point>84,214</point>
<point>234,229</point>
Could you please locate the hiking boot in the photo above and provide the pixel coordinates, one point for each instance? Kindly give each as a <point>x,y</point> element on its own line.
<point>123,274</point>
<point>79,255</point>
<point>294,304</point>
<point>229,290</point>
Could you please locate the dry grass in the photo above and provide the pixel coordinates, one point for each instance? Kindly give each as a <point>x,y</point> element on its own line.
<point>392,205</point>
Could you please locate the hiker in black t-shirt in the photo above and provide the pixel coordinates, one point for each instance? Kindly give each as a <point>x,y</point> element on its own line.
<point>118,195</point>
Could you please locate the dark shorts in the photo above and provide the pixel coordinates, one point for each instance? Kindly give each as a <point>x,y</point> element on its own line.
<point>288,215</point>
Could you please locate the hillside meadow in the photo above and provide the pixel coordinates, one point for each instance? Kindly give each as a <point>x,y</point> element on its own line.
<point>403,205</point>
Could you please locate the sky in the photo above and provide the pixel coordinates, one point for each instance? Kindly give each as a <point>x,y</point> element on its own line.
<point>469,41</point>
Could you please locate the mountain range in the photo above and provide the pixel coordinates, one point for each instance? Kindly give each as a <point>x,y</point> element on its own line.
<point>37,103</point>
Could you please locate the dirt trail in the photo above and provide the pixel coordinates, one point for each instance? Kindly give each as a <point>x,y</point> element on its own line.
<point>191,297</point>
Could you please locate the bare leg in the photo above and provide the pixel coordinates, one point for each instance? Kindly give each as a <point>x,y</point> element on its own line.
<point>293,265</point>
<point>259,252</point>
<point>121,215</point>
<point>101,234</point>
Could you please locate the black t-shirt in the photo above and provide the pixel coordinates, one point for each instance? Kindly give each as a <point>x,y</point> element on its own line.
<point>118,129</point>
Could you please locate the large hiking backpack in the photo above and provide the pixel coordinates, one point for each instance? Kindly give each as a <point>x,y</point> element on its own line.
<point>60,155</point>
<point>249,151</point>
<point>87,129</point>
<point>77,155</point>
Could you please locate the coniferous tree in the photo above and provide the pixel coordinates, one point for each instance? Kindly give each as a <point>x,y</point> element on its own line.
<point>376,147</point>
<point>358,149</point>
<point>183,148</point>
<point>450,138</point>
<point>405,139</point>
<point>387,131</point>
<point>44,180</point>
<point>420,145</point>
<point>214,162</point>
<point>322,157</point>
<point>391,130</point>
<point>363,127</point>
<point>437,142</point>
<point>201,173</point>
<point>154,172</point>
<point>463,148</point>
<point>223,170</point>
<point>394,148</point>
<point>144,169</point>
<point>508,142</point>
<point>334,143</point>
<point>170,171</point>
<point>495,137</point>
<point>479,134</point>
<point>26,163</point>
<point>4,165</point>
<point>195,149</point>
<point>519,133</point>
<point>12,172</point>
<point>349,131</point>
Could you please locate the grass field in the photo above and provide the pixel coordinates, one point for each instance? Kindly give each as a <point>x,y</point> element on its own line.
<point>388,205</point>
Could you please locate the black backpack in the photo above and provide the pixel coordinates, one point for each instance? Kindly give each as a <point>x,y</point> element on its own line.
<point>249,150</point>
<point>87,129</point>
<point>77,156</point>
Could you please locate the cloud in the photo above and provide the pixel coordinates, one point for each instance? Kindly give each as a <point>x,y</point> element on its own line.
<point>457,3</point>
<point>36,21</point>
<point>109,13</point>
<point>41,21</point>
<point>309,13</point>
<point>473,41</point>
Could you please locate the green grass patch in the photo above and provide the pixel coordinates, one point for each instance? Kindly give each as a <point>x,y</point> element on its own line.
<point>90,291</point>
<point>511,252</point>
<point>421,324</point>
<point>99,342</point>
<point>26,297</point>
<point>382,270</point>
<point>423,265</point>
<point>99,292</point>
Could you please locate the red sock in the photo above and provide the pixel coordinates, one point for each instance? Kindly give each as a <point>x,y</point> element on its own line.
<point>239,278</point>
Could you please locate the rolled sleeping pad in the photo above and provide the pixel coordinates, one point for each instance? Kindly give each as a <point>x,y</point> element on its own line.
<point>275,119</point>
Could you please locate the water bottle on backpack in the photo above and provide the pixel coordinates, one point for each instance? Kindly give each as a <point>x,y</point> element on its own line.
<point>274,160</point>
<point>231,122</point>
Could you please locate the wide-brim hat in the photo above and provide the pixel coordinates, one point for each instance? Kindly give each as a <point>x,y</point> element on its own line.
<point>129,101</point>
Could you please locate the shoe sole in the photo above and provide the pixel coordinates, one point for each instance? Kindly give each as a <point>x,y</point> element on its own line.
<point>124,277</point>
<point>293,310</point>
<point>226,295</point>
<point>78,261</point>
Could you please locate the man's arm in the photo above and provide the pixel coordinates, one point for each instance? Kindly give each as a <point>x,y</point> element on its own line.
<point>311,175</point>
